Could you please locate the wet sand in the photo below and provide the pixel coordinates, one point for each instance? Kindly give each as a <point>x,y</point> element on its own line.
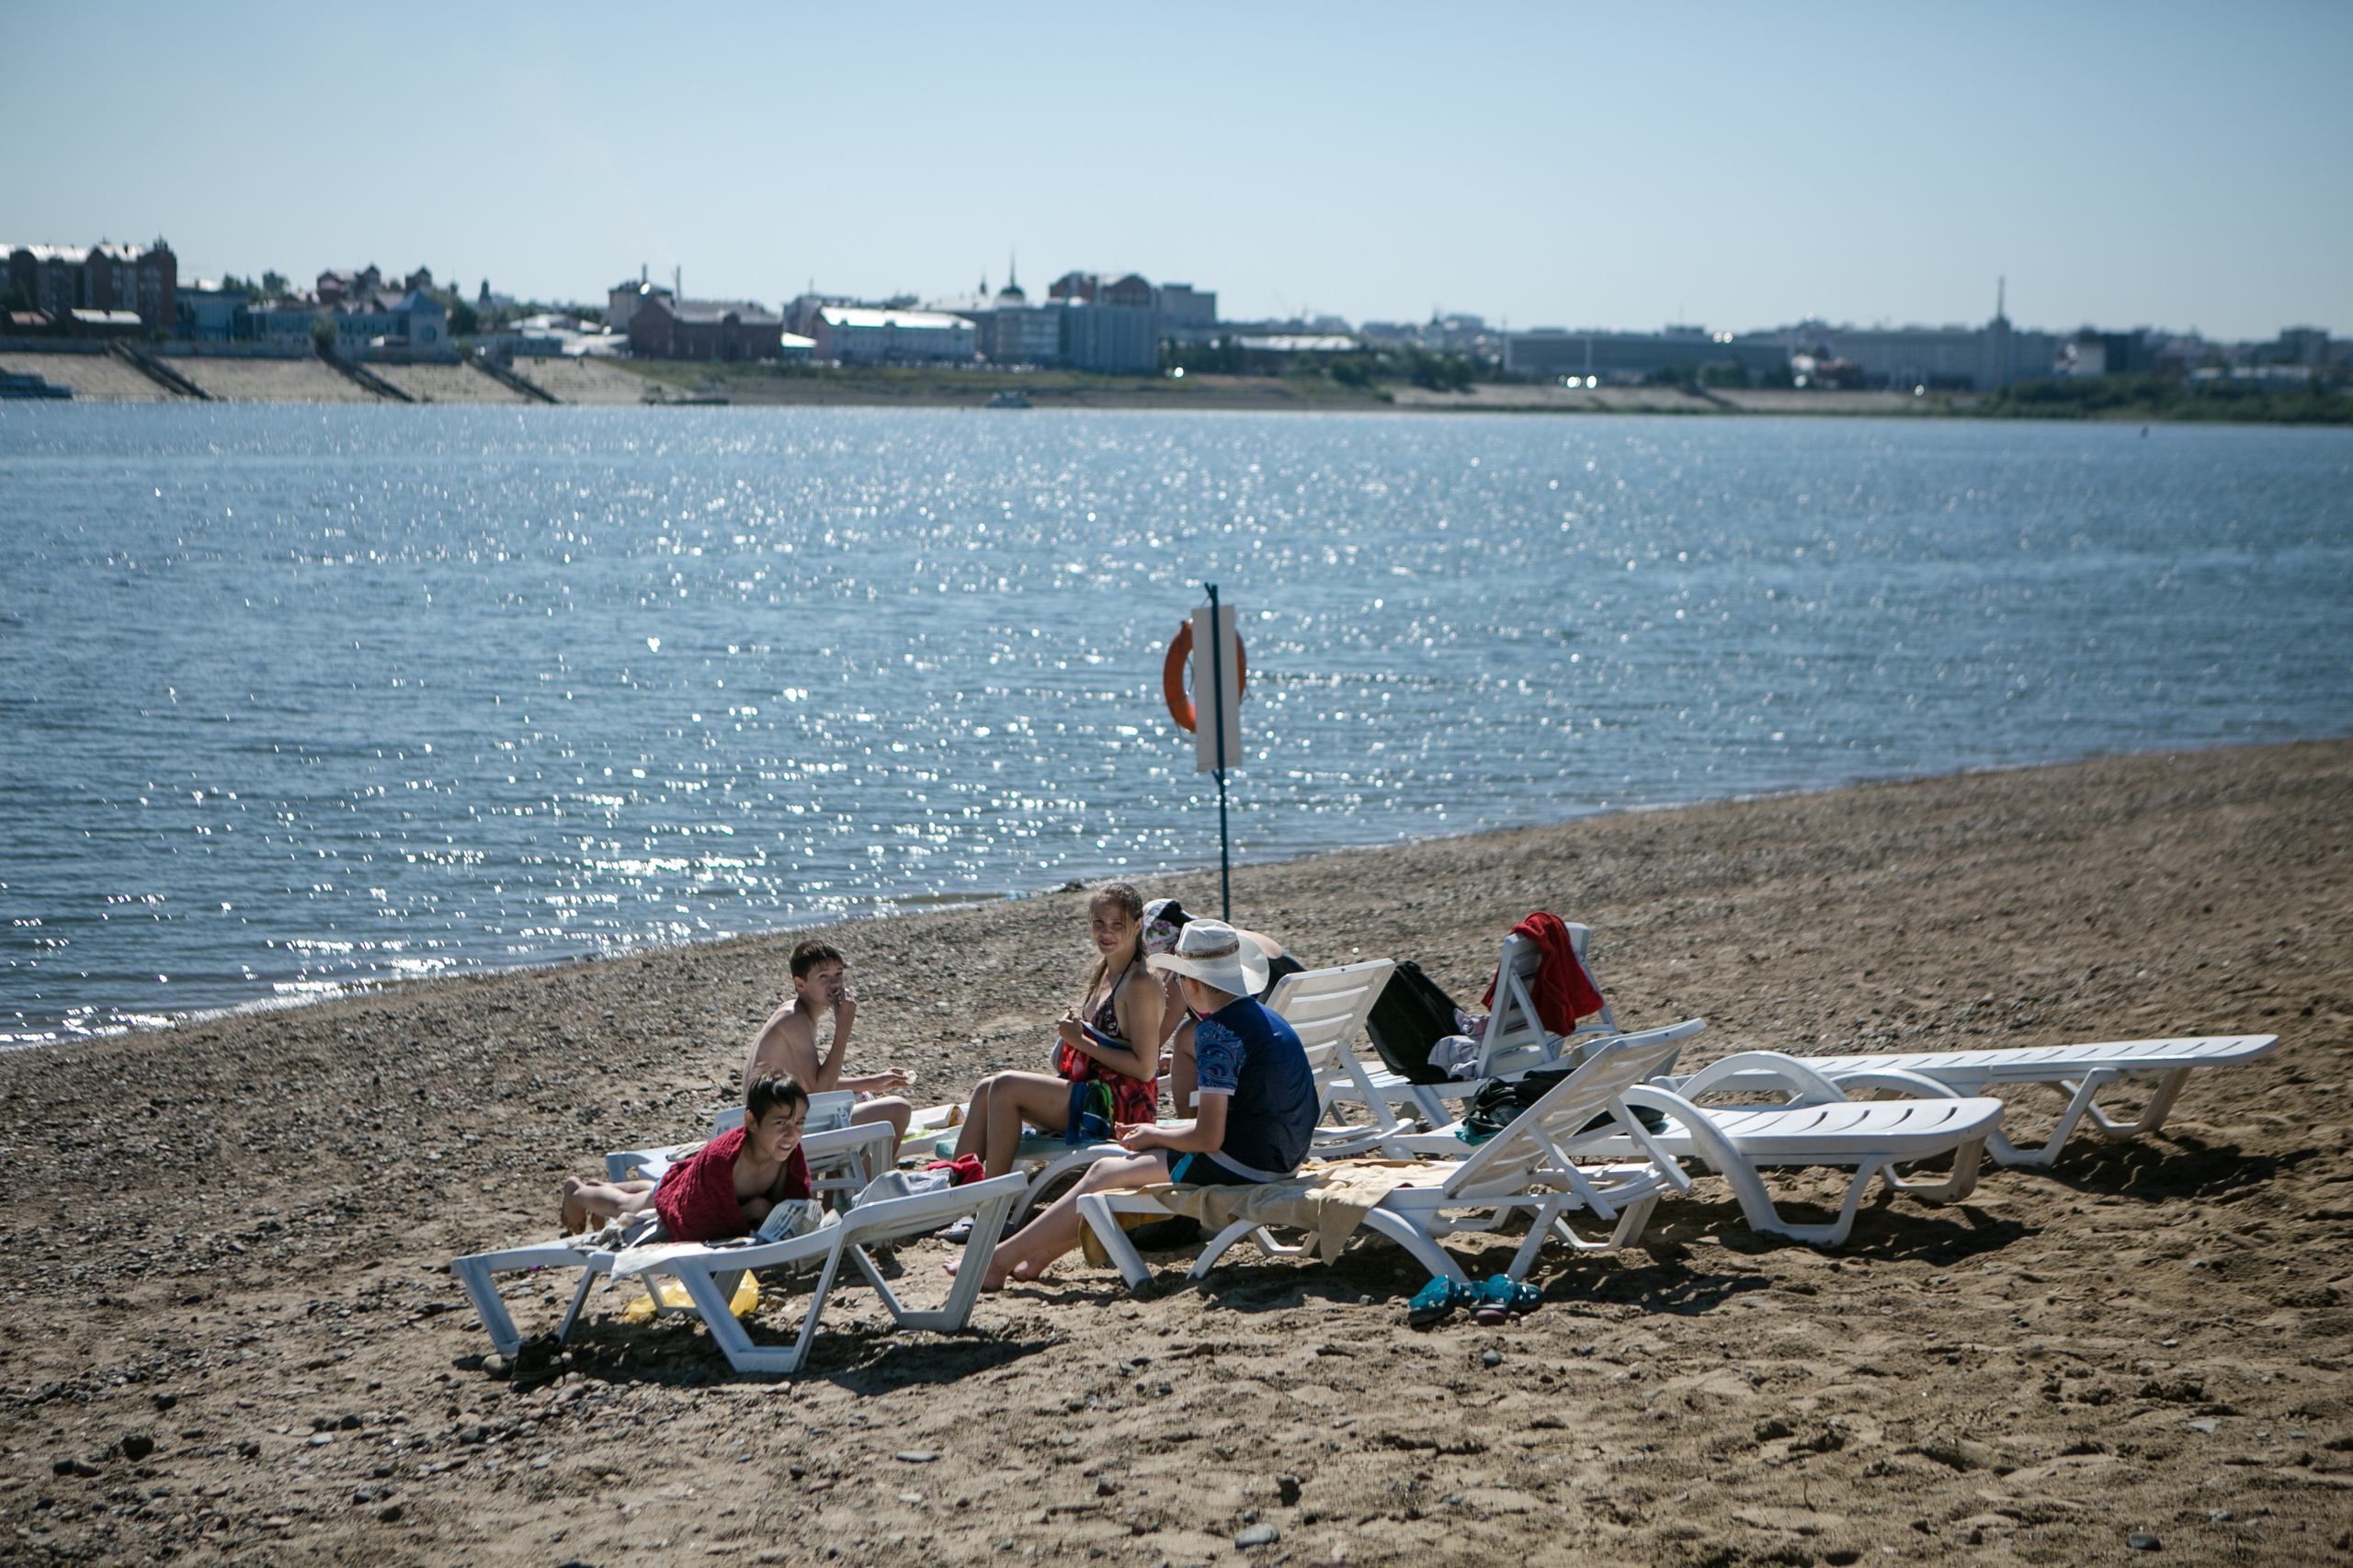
<point>226,1234</point>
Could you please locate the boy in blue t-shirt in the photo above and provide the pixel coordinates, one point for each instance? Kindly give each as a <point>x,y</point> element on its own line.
<point>1256,1114</point>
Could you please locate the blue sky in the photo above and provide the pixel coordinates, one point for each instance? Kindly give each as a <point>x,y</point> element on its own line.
<point>1564,164</point>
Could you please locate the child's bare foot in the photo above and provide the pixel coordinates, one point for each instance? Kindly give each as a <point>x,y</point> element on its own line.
<point>992,1279</point>
<point>576,1211</point>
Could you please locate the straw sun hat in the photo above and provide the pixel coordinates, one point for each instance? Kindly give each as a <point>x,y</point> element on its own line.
<point>1215,954</point>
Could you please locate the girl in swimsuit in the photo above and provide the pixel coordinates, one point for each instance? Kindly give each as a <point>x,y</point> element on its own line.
<point>1123,1006</point>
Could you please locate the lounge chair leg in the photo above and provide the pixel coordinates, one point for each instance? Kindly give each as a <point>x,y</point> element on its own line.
<point>572,1313</point>
<point>1426,1252</point>
<point>2152,1115</point>
<point>1216,1249</point>
<point>988,1220</point>
<point>1960,1183</point>
<point>2007,1154</point>
<point>474,1274</point>
<point>1630,1224</point>
<point>1095,1209</point>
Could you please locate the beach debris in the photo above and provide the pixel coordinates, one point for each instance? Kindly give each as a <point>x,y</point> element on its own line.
<point>915,1456</point>
<point>165,1401</point>
<point>1287,1487</point>
<point>390,1514</point>
<point>2219,1515</point>
<point>2142,1540</point>
<point>1258,1535</point>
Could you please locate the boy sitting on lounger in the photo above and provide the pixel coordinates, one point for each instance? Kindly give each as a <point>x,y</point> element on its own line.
<point>786,1043</point>
<point>725,1188</point>
<point>1257,1103</point>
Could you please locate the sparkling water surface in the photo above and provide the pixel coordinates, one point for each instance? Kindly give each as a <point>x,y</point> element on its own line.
<point>299,697</point>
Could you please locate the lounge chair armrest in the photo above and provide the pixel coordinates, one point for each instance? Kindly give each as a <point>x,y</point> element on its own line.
<point>1760,1070</point>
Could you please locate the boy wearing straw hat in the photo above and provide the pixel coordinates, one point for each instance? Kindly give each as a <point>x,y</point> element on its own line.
<point>1256,1093</point>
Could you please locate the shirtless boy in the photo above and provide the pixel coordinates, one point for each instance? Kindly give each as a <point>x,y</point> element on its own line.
<point>786,1043</point>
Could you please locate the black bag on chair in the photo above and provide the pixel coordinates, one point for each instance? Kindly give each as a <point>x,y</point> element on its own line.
<point>1411,1015</point>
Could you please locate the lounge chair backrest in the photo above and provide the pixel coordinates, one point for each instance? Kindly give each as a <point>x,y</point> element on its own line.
<point>1543,1137</point>
<point>1516,1039</point>
<point>829,1112</point>
<point>1326,1008</point>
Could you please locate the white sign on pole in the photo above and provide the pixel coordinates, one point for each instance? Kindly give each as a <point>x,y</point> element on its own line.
<point>1228,661</point>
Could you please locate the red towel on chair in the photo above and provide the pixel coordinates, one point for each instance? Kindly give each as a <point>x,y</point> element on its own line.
<point>1563,990</point>
<point>697,1200</point>
<point>964,1168</point>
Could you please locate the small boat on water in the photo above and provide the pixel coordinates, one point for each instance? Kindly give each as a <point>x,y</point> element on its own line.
<point>1008,399</point>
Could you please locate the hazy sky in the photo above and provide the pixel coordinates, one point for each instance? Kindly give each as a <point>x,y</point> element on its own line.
<point>1735,165</point>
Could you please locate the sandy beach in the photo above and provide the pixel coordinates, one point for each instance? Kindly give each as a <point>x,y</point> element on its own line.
<point>230,1335</point>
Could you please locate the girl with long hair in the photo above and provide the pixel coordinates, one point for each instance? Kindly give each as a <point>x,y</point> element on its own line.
<point>1112,1038</point>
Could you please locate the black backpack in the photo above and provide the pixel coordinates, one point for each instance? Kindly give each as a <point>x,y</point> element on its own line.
<point>1411,1015</point>
<point>1499,1102</point>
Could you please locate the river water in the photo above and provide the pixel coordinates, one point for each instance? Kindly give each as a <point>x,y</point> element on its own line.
<point>299,697</point>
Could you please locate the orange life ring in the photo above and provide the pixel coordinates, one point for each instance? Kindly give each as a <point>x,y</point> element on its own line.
<point>1172,673</point>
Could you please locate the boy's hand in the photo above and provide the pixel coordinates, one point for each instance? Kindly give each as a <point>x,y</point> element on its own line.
<point>845,1008</point>
<point>1138,1136</point>
<point>891,1078</point>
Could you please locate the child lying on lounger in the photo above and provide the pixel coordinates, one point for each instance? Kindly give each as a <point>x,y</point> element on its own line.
<point>724,1189</point>
<point>786,1043</point>
<point>1257,1109</point>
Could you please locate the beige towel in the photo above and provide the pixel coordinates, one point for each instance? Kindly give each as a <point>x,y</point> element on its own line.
<point>1328,1203</point>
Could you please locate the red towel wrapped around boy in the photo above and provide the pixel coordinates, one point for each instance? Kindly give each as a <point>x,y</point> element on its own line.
<point>696,1199</point>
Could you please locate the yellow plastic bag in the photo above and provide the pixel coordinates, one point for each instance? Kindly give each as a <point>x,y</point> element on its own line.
<point>674,1295</point>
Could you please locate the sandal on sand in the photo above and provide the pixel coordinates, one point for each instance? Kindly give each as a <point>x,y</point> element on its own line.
<point>1502,1293</point>
<point>1436,1300</point>
<point>961,1232</point>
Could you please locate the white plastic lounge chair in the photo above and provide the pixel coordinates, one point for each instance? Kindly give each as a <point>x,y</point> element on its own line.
<point>710,1273</point>
<point>1533,1164</point>
<point>2079,1072</point>
<point>1326,1008</point>
<point>1819,1125</point>
<point>1515,1041</point>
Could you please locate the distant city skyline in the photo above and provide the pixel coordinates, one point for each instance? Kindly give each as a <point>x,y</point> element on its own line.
<point>1559,165</point>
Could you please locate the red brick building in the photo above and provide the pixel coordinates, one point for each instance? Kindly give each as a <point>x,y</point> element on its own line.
<point>663,328</point>
<point>61,279</point>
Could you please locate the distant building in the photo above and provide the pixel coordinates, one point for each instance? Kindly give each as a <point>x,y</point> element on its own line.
<point>1957,357</point>
<point>854,334</point>
<point>61,279</point>
<point>1184,309</point>
<point>1110,337</point>
<point>211,313</point>
<point>413,323</point>
<point>1624,356</point>
<point>334,288</point>
<point>664,328</point>
<point>622,299</point>
<point>1273,353</point>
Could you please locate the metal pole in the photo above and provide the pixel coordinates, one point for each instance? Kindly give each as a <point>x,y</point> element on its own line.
<point>1217,699</point>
